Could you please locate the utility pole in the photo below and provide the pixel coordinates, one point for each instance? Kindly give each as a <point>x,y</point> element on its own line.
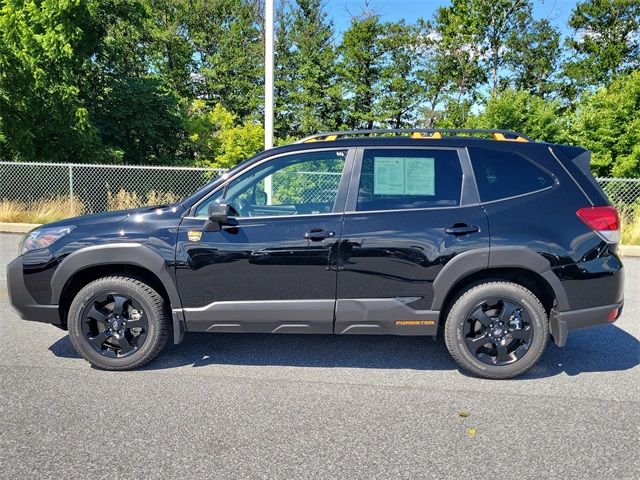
<point>268,74</point>
<point>268,90</point>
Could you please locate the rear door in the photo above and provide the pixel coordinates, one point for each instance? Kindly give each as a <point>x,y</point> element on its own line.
<point>409,212</point>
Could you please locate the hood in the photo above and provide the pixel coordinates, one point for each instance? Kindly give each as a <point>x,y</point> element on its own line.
<point>115,216</point>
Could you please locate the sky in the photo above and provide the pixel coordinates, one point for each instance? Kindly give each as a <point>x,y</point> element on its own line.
<point>556,11</point>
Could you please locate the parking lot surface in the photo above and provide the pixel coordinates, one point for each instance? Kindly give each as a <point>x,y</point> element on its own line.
<point>295,406</point>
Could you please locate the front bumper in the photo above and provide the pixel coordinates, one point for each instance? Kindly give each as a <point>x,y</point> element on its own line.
<point>561,323</point>
<point>23,302</point>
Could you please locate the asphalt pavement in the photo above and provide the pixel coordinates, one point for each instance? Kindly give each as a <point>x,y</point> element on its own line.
<point>294,406</point>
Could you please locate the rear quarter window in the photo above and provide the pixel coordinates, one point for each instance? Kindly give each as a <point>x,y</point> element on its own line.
<point>501,174</point>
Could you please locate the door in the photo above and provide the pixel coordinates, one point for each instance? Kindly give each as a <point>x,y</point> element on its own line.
<point>409,211</point>
<point>270,268</point>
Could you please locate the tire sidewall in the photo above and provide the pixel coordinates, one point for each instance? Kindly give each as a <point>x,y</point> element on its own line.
<point>83,300</point>
<point>454,328</point>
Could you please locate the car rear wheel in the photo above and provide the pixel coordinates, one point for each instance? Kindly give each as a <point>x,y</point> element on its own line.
<point>118,323</point>
<point>497,330</point>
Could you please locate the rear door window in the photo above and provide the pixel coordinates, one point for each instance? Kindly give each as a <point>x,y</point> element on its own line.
<point>501,174</point>
<point>393,179</point>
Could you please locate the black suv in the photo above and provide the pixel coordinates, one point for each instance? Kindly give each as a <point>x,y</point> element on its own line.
<point>498,241</point>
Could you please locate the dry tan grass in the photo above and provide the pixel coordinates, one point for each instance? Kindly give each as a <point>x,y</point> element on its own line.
<point>124,199</point>
<point>12,211</point>
<point>41,211</point>
<point>631,229</point>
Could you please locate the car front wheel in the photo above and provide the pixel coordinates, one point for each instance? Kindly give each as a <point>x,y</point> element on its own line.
<point>118,323</point>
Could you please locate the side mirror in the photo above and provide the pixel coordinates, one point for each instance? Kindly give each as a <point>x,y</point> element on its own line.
<point>218,214</point>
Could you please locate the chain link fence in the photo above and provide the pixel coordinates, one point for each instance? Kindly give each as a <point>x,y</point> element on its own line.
<point>624,193</point>
<point>99,188</point>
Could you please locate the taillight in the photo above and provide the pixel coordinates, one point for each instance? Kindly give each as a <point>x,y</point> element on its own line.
<point>603,220</point>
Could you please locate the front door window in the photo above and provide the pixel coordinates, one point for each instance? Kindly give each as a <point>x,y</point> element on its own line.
<point>300,184</point>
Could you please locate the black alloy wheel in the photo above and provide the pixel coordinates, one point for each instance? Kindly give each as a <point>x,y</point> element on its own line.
<point>498,331</point>
<point>115,325</point>
<point>118,322</point>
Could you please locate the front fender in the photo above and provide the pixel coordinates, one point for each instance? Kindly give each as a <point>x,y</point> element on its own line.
<point>120,253</point>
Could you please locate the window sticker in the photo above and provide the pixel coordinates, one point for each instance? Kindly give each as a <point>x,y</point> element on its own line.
<point>388,176</point>
<point>404,176</point>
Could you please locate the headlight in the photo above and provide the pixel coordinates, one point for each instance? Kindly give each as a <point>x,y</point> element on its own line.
<point>42,237</point>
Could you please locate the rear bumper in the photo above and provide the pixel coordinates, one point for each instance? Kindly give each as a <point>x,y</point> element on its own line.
<point>561,323</point>
<point>23,302</point>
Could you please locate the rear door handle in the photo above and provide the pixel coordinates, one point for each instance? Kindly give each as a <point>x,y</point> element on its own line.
<point>317,234</point>
<point>461,229</point>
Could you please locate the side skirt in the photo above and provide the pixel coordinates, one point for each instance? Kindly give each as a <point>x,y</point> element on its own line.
<point>383,316</point>
<point>262,316</point>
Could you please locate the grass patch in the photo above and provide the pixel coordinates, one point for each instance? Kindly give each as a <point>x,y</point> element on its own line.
<point>630,229</point>
<point>124,199</point>
<point>45,210</point>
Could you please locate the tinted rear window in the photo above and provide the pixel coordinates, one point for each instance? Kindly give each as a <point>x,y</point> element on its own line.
<point>502,174</point>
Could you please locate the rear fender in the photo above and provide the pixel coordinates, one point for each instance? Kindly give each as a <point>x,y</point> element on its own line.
<point>497,257</point>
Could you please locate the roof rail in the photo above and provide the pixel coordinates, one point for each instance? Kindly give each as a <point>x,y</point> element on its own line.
<point>418,133</point>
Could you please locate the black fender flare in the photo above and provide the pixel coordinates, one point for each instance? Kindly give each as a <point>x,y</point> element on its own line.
<point>120,253</point>
<point>473,261</point>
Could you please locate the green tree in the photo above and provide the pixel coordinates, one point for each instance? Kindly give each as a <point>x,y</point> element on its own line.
<point>533,57</point>
<point>308,97</point>
<point>43,51</point>
<point>170,48</point>
<point>402,89</point>
<point>608,124</point>
<point>455,71</point>
<point>605,42</point>
<point>228,53</point>
<point>360,67</point>
<point>501,22</point>
<point>523,112</point>
<point>123,49</point>
<point>139,122</point>
<point>218,139</point>
<point>492,43</point>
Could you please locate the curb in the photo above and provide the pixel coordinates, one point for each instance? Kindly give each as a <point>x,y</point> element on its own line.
<point>630,250</point>
<point>6,227</point>
<point>625,250</point>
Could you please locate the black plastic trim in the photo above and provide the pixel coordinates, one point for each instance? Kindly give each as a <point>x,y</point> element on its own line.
<point>118,254</point>
<point>23,302</point>
<point>383,316</point>
<point>473,261</point>
<point>561,323</point>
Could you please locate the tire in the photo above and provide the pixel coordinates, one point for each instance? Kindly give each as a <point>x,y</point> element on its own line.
<point>496,330</point>
<point>118,323</point>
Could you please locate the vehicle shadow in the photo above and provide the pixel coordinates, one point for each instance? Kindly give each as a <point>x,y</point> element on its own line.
<point>602,349</point>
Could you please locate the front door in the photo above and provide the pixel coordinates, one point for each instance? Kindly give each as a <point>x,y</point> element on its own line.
<point>409,211</point>
<point>270,268</point>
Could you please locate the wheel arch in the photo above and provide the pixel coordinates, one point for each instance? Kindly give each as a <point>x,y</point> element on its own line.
<point>516,264</point>
<point>136,260</point>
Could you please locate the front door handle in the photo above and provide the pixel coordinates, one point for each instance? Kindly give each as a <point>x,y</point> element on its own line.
<point>461,229</point>
<point>317,234</point>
